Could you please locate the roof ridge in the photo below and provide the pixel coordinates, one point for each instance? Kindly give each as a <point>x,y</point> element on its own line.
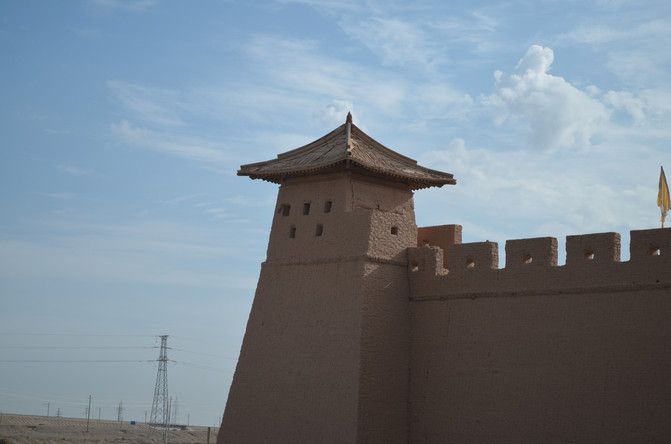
<point>384,149</point>
<point>336,149</point>
<point>348,142</point>
<point>311,144</point>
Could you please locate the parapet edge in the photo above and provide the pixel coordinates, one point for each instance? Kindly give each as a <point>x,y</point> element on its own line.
<point>593,260</point>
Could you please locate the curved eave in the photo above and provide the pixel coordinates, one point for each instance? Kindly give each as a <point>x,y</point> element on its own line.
<point>414,183</point>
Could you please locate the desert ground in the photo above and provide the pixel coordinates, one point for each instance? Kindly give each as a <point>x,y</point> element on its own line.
<point>25,429</point>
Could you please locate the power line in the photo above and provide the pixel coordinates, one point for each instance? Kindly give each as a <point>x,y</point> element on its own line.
<point>74,334</point>
<point>201,353</point>
<point>75,347</point>
<point>204,367</point>
<point>72,360</point>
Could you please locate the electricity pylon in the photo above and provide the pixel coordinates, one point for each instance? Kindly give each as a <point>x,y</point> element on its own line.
<point>160,409</point>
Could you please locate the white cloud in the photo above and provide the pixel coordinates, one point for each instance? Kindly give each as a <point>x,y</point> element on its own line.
<point>551,191</point>
<point>626,101</point>
<point>557,114</point>
<point>334,113</point>
<point>508,194</point>
<point>536,61</point>
<point>649,110</point>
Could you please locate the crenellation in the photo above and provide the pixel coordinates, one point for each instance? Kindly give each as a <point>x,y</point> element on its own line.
<point>650,245</point>
<point>425,261</point>
<point>592,249</point>
<point>474,266</point>
<point>439,236</point>
<point>533,252</point>
<point>474,256</point>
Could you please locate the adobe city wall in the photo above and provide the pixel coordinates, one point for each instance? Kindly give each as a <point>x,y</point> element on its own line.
<point>326,349</point>
<point>577,352</point>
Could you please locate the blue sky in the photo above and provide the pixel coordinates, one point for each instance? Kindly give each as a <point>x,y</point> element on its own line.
<point>122,124</point>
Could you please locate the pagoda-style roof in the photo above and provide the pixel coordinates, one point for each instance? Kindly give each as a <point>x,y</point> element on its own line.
<point>347,147</point>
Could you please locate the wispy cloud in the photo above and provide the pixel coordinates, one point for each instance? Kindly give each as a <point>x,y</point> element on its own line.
<point>245,201</point>
<point>151,105</point>
<point>637,54</point>
<point>150,252</point>
<point>396,42</point>
<point>297,68</point>
<point>411,35</point>
<point>599,34</point>
<point>179,199</point>
<point>127,5</point>
<point>59,196</point>
<point>73,170</point>
<point>189,148</point>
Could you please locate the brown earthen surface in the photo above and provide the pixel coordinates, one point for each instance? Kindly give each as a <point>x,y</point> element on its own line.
<point>588,367</point>
<point>325,354</point>
<point>529,353</point>
<point>443,236</point>
<point>366,329</point>
<point>33,429</point>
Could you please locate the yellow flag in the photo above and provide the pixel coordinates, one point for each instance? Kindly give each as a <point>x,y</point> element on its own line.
<point>663,196</point>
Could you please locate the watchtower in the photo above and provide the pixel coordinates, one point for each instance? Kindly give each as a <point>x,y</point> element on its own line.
<point>325,357</point>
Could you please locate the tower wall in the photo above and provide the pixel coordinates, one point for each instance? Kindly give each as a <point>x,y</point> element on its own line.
<point>297,376</point>
<point>325,353</point>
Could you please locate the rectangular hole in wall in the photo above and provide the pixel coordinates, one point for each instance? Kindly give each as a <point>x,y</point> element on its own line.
<point>327,206</point>
<point>285,209</point>
<point>319,230</point>
<point>306,208</point>
<point>292,232</point>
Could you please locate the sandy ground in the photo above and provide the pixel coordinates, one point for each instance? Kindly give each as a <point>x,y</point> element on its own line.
<point>24,429</point>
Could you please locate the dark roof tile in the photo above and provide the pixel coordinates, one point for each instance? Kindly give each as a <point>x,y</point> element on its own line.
<point>346,145</point>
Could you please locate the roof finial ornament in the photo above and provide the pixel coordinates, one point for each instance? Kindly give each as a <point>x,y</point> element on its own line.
<point>348,125</point>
